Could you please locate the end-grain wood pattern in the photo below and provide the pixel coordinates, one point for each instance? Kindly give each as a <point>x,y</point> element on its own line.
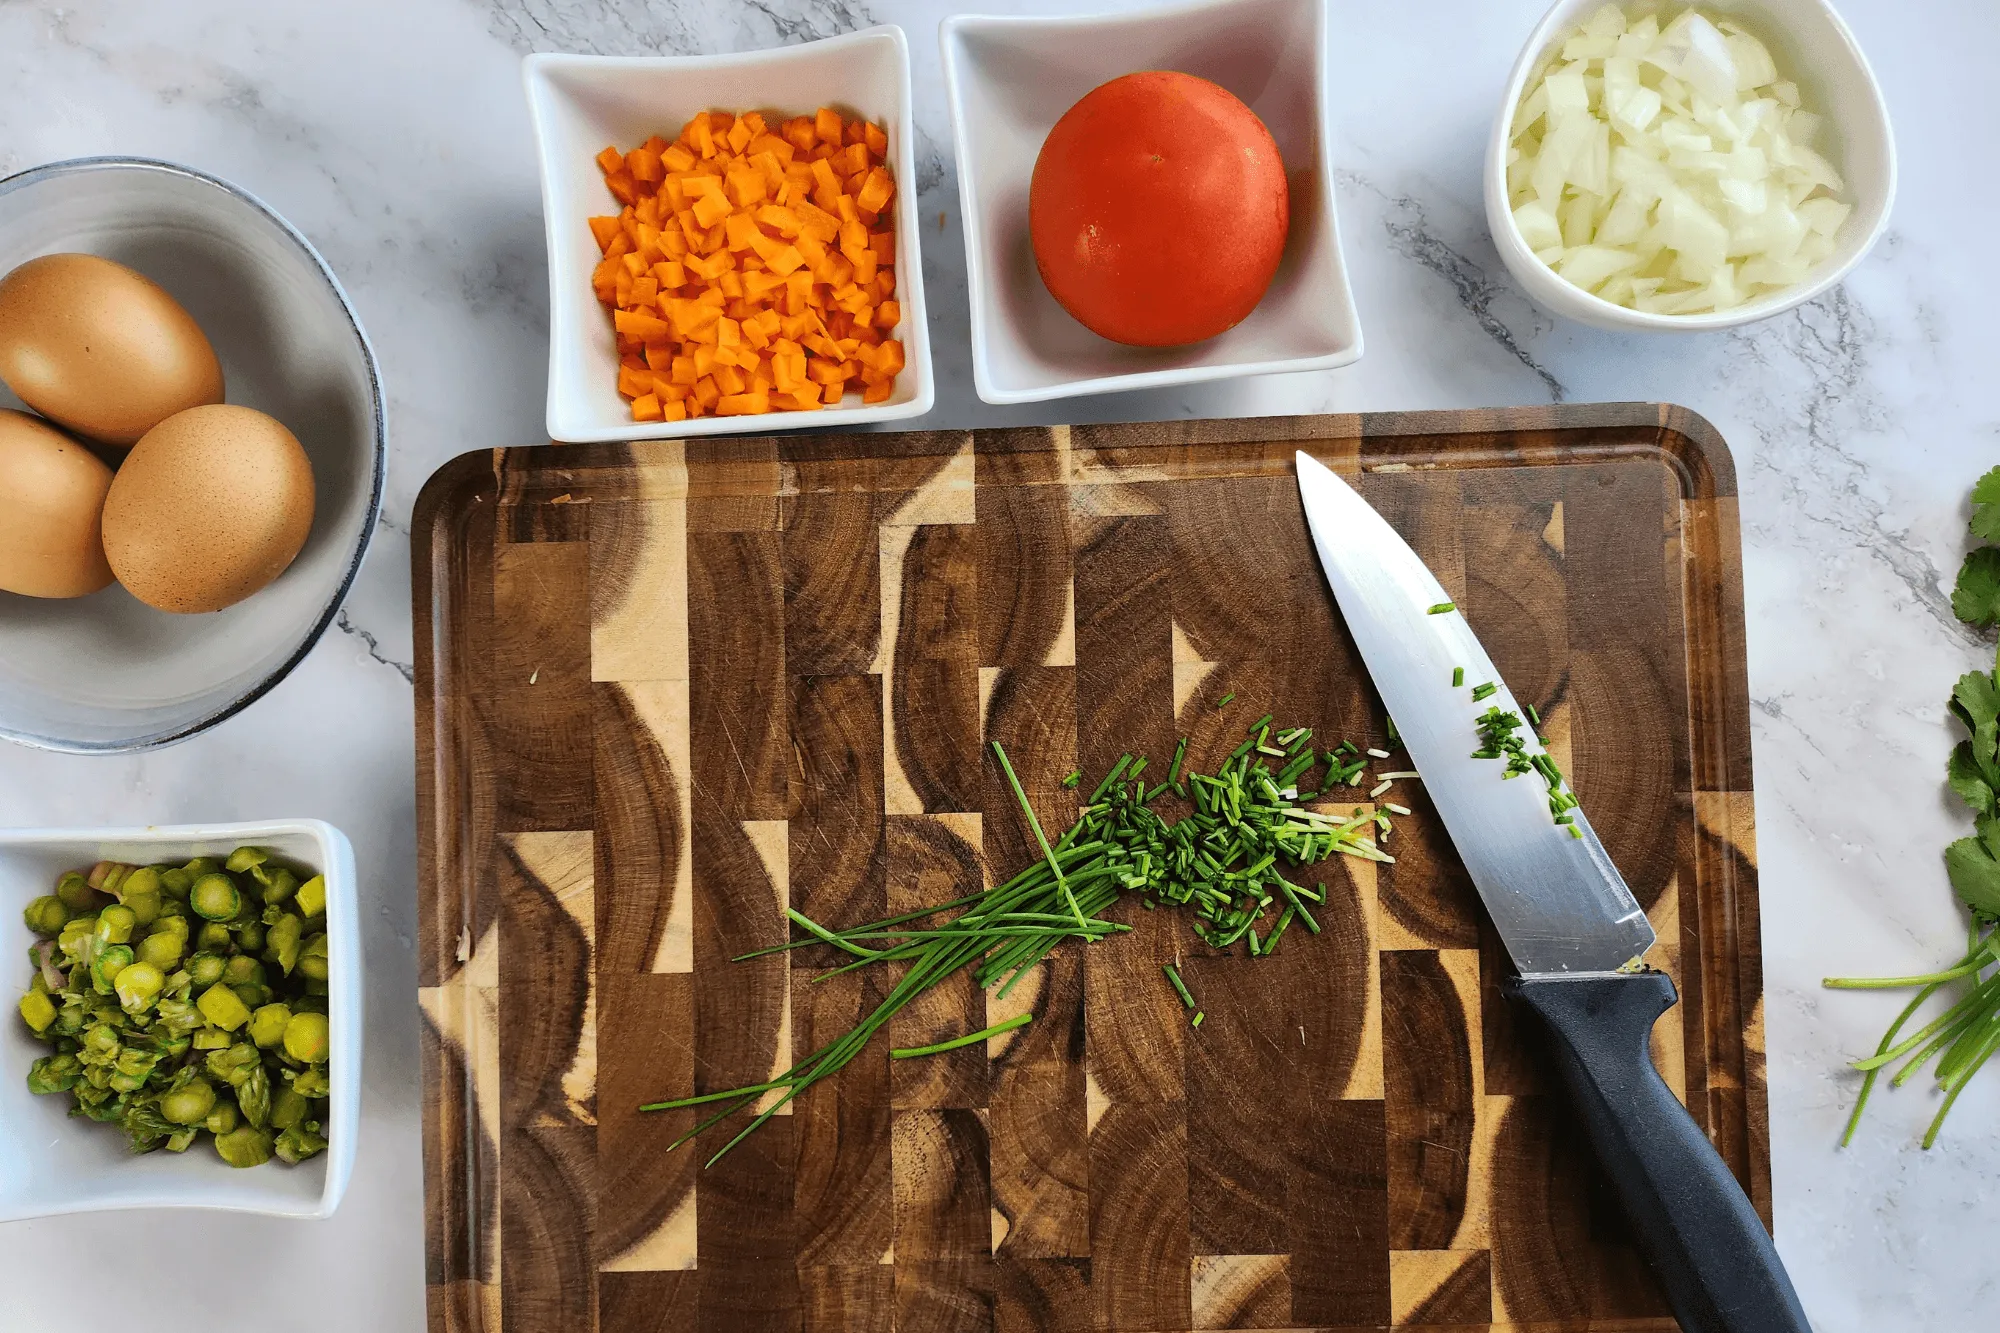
<point>667,691</point>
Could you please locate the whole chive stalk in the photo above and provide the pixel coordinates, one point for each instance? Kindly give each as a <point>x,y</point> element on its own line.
<point>969,1039</point>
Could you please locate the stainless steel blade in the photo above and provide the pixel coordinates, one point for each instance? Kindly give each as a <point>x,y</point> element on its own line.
<point>1557,900</point>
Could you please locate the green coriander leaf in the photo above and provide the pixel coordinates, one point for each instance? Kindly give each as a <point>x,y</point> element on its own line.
<point>1965,778</point>
<point>1986,506</point>
<point>1976,599</point>
<point>1975,874</point>
<point>1976,703</point>
<point>1988,827</point>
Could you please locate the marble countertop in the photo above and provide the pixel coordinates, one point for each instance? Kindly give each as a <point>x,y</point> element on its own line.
<point>395,135</point>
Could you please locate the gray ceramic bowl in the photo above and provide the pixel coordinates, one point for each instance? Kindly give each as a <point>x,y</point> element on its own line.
<point>105,673</point>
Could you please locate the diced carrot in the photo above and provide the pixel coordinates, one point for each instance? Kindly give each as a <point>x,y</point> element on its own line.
<point>644,164</point>
<point>779,219</point>
<point>640,325</point>
<point>751,263</point>
<point>875,194</point>
<point>742,230</point>
<point>826,186</point>
<point>878,393</point>
<point>711,209</point>
<point>748,187</point>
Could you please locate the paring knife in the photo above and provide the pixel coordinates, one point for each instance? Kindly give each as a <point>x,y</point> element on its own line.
<point>1572,927</point>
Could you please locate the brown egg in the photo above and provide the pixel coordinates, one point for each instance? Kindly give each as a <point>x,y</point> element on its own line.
<point>211,505</point>
<point>101,349</point>
<point>51,496</point>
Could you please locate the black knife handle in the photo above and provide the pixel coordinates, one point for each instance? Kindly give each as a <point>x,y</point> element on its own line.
<point>1693,1222</point>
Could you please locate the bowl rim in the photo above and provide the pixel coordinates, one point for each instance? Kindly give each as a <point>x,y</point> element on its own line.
<point>537,69</point>
<point>1591,308</point>
<point>952,32</point>
<point>378,404</point>
<point>349,980</point>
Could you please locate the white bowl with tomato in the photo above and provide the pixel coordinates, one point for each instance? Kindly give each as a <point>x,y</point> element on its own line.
<point>1147,197</point>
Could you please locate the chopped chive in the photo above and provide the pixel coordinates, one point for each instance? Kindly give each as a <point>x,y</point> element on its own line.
<point>1486,691</point>
<point>1395,809</point>
<point>1389,725</point>
<point>1195,1022</point>
<point>1379,788</point>
<point>1075,776</point>
<point>1378,754</point>
<point>1223,702</point>
<point>1407,773</point>
<point>1225,860</point>
<point>1576,832</point>
<point>1534,718</point>
<point>1441,608</point>
<point>970,1038</point>
<point>1457,677</point>
<point>1260,724</point>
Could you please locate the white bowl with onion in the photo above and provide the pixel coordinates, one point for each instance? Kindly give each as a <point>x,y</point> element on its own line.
<point>1774,189</point>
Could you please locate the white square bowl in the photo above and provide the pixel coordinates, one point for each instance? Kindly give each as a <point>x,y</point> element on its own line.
<point>1010,79</point>
<point>51,1163</point>
<point>580,104</point>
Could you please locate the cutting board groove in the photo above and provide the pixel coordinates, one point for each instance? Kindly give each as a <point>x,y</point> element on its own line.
<point>667,690</point>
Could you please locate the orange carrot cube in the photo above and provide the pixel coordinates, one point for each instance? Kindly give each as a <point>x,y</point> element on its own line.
<point>675,411</point>
<point>876,192</point>
<point>827,126</point>
<point>604,229</point>
<point>644,164</point>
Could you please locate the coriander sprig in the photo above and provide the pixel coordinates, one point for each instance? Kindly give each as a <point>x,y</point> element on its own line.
<point>1966,1035</point>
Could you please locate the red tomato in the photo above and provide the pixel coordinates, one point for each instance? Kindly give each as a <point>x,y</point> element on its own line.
<point>1158,209</point>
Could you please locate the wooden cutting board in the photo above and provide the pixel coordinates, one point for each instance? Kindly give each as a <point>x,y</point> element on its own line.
<point>666,689</point>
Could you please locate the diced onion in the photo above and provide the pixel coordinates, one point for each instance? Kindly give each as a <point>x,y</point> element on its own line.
<point>1671,169</point>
